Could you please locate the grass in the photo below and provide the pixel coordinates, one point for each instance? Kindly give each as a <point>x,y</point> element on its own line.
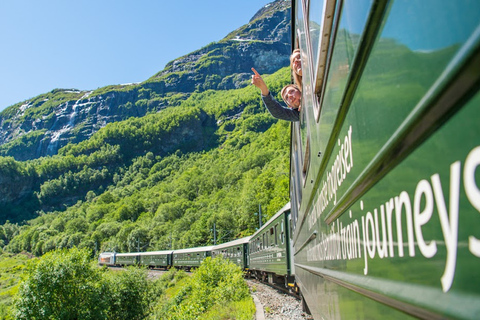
<point>11,272</point>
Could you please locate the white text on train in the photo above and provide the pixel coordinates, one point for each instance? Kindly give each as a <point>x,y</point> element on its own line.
<point>380,239</point>
<point>342,165</point>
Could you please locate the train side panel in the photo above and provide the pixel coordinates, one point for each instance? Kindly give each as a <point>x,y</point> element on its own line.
<point>191,258</point>
<point>384,162</point>
<point>156,259</point>
<point>269,248</point>
<point>127,259</point>
<point>235,251</point>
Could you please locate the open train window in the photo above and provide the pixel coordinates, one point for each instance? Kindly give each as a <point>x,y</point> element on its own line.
<point>302,133</point>
<point>321,15</point>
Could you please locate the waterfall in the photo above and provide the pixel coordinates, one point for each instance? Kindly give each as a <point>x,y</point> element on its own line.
<point>56,134</point>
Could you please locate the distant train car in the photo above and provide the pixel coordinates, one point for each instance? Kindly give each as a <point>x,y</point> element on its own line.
<point>127,259</point>
<point>106,259</point>
<point>385,161</point>
<point>235,251</point>
<point>270,252</point>
<point>156,259</point>
<point>190,258</point>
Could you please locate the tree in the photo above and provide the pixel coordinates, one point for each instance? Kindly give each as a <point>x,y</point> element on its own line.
<point>64,284</point>
<point>128,294</point>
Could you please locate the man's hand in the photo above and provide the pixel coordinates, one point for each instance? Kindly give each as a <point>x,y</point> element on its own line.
<point>258,82</point>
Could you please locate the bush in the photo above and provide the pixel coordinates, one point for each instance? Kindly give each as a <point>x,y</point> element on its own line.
<point>128,294</point>
<point>64,284</point>
<point>215,289</point>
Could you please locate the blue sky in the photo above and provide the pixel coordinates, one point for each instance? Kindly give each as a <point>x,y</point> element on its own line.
<point>87,44</point>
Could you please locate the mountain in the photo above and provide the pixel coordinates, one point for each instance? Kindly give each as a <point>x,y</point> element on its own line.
<point>41,126</point>
<point>195,135</point>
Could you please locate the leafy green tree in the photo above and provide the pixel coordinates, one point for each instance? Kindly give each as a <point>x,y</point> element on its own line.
<point>128,294</point>
<point>138,239</point>
<point>64,284</point>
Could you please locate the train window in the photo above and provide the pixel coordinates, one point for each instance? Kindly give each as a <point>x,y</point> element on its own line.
<point>282,234</point>
<point>299,23</point>
<point>315,24</point>
<point>306,159</point>
<point>297,162</point>
<point>276,239</point>
<point>303,44</point>
<point>320,21</point>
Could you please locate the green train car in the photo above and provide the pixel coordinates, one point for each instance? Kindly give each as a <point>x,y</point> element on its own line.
<point>190,258</point>
<point>385,177</point>
<point>270,253</point>
<point>235,251</point>
<point>127,259</point>
<point>156,259</point>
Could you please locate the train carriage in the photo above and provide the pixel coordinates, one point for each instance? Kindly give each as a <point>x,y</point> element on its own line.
<point>127,259</point>
<point>156,259</point>
<point>384,162</point>
<point>235,251</point>
<point>191,258</point>
<point>106,259</point>
<point>270,251</point>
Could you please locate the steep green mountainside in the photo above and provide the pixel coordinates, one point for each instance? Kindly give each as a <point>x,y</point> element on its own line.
<point>42,125</point>
<point>155,182</point>
<point>152,165</point>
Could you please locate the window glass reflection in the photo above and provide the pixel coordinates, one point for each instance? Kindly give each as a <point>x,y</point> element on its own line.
<point>353,18</point>
<point>300,23</point>
<point>307,82</point>
<point>315,18</point>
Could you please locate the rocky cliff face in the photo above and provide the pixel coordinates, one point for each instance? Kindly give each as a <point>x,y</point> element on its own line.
<point>43,125</point>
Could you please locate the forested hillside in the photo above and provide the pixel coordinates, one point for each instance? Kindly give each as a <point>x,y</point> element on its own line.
<point>44,124</point>
<point>159,181</point>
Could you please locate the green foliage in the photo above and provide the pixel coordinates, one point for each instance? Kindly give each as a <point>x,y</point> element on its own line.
<point>216,287</point>
<point>62,285</point>
<point>128,294</point>
<point>27,140</point>
<point>159,181</point>
<point>11,270</point>
<point>66,284</point>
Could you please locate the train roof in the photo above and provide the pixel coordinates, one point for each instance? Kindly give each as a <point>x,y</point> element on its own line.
<point>155,252</point>
<point>107,253</point>
<point>127,254</point>
<point>232,243</point>
<point>275,216</point>
<point>197,249</point>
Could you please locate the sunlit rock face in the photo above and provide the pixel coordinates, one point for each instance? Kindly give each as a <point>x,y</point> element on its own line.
<point>41,126</point>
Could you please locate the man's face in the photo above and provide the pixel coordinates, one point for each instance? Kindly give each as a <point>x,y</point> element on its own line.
<point>297,63</point>
<point>293,97</point>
